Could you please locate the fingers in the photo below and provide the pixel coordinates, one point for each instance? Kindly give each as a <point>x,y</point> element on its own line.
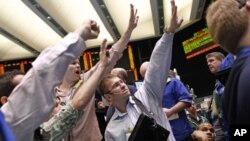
<point>92,22</point>
<point>131,10</point>
<point>89,30</point>
<point>133,17</point>
<point>137,19</point>
<point>173,9</point>
<point>180,22</point>
<point>103,48</point>
<point>104,54</point>
<point>103,45</point>
<point>135,13</point>
<point>95,27</point>
<point>173,6</point>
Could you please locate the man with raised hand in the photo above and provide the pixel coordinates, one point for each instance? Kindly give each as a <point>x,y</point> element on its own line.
<point>87,129</point>
<point>150,93</point>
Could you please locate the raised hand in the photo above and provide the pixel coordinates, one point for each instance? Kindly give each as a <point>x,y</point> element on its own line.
<point>133,20</point>
<point>94,30</point>
<point>104,54</point>
<point>174,22</point>
<point>89,30</point>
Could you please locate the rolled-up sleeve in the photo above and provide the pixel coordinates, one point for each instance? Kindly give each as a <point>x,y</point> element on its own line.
<point>62,123</point>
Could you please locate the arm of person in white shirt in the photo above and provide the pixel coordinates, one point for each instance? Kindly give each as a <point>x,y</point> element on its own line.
<point>160,61</point>
<point>33,99</point>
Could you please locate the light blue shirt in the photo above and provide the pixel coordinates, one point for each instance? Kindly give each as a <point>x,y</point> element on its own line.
<point>150,94</point>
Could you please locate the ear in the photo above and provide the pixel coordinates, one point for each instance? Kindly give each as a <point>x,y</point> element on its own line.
<point>4,99</point>
<point>108,98</point>
<point>248,4</point>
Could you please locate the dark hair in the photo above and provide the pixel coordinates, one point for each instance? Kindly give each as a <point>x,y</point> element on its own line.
<point>198,127</point>
<point>6,83</point>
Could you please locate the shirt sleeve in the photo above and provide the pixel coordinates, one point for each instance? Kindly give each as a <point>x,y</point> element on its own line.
<point>157,71</point>
<point>62,123</point>
<point>33,99</point>
<point>151,91</point>
<point>181,92</point>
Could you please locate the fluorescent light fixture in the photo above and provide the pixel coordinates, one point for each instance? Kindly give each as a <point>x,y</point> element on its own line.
<point>12,51</point>
<point>19,20</point>
<point>120,12</point>
<point>183,10</point>
<point>70,14</point>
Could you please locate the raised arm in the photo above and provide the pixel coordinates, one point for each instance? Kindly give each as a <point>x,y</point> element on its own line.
<point>33,99</point>
<point>118,48</point>
<point>72,111</point>
<point>175,23</point>
<point>121,44</point>
<point>160,61</point>
<point>86,91</point>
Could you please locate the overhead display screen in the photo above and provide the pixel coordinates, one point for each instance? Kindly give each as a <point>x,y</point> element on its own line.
<point>200,42</point>
<point>196,39</point>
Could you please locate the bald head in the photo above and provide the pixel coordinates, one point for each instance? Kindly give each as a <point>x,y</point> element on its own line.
<point>143,68</point>
<point>120,72</point>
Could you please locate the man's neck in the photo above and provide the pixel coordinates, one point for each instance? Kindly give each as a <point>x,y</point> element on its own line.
<point>121,106</point>
<point>245,41</point>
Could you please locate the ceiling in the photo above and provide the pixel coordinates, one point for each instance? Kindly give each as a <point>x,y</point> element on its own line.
<point>29,26</point>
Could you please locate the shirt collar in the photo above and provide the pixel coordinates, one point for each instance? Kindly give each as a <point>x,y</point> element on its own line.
<point>119,115</point>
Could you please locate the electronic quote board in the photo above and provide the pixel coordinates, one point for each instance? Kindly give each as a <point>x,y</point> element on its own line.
<point>199,42</point>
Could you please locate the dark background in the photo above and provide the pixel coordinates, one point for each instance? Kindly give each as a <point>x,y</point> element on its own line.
<point>194,71</point>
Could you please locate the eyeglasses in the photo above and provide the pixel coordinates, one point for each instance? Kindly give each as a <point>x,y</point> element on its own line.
<point>242,3</point>
<point>115,85</point>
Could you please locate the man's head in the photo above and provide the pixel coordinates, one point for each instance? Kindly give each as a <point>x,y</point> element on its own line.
<point>143,68</point>
<point>120,72</point>
<point>114,89</point>
<point>214,60</point>
<point>171,74</point>
<point>192,109</point>
<point>208,129</point>
<point>228,23</point>
<point>8,81</point>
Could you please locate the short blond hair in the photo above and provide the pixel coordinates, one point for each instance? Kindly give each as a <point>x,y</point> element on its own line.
<point>227,24</point>
<point>104,83</point>
<point>217,55</point>
<point>120,72</point>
